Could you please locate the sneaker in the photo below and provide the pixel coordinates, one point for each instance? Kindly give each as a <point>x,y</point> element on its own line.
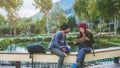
<point>74,65</point>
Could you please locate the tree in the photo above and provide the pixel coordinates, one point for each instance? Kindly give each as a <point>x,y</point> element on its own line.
<point>2,19</point>
<point>28,25</point>
<point>44,7</point>
<point>3,25</point>
<point>92,10</point>
<point>72,22</point>
<point>57,17</point>
<point>111,11</point>
<point>38,23</point>
<point>11,7</point>
<point>98,9</point>
<point>80,9</point>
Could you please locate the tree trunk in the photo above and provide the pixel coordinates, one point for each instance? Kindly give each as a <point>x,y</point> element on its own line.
<point>109,26</point>
<point>115,26</point>
<point>10,29</point>
<point>48,30</point>
<point>100,25</point>
<point>14,32</point>
<point>103,21</point>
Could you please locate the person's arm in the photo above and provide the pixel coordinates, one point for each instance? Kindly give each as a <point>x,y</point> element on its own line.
<point>66,44</point>
<point>80,40</point>
<point>56,40</point>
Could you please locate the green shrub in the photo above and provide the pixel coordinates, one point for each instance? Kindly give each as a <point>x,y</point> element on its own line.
<point>47,39</point>
<point>99,42</point>
<point>4,43</point>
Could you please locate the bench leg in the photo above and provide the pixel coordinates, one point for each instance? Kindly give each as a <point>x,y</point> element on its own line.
<point>116,60</point>
<point>17,64</point>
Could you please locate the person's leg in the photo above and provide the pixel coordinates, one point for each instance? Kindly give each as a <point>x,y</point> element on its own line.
<point>81,56</point>
<point>60,54</point>
<point>81,63</point>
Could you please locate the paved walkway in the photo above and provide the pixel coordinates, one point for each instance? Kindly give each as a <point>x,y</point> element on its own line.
<point>112,65</point>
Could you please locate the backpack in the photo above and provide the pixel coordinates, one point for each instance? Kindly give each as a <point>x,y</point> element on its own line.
<point>91,42</point>
<point>35,48</point>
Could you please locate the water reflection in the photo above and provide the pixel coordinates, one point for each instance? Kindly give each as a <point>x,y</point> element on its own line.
<point>14,47</point>
<point>22,46</point>
<point>17,47</point>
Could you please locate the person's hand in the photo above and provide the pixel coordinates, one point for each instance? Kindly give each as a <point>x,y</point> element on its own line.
<point>86,38</point>
<point>63,50</point>
<point>83,34</point>
<point>65,54</point>
<point>74,41</point>
<point>68,46</point>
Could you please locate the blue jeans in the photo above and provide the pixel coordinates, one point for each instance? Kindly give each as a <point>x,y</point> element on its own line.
<point>59,53</point>
<point>81,55</point>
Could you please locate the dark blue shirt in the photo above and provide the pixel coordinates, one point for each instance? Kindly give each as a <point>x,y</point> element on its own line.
<point>58,40</point>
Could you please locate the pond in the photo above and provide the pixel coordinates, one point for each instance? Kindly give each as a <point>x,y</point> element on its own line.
<point>23,46</point>
<point>16,47</point>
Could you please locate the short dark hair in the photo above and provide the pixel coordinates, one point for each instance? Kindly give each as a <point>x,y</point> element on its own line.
<point>64,26</point>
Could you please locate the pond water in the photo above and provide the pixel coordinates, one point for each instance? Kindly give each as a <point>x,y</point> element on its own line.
<point>23,46</point>
<point>18,46</point>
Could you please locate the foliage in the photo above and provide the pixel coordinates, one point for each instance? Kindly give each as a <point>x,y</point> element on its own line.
<point>4,28</point>
<point>111,8</point>
<point>44,40</point>
<point>93,13</point>
<point>2,19</point>
<point>57,17</point>
<point>118,29</point>
<point>90,9</point>
<point>11,7</point>
<point>80,8</point>
<point>72,22</point>
<point>43,5</point>
<point>4,43</point>
<point>39,25</point>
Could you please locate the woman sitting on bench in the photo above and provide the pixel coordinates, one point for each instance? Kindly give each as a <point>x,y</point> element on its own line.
<point>84,41</point>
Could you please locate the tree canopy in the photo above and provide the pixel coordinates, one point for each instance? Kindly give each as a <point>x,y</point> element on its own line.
<point>90,9</point>
<point>43,5</point>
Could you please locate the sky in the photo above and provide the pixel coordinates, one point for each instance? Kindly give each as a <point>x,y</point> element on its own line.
<point>27,9</point>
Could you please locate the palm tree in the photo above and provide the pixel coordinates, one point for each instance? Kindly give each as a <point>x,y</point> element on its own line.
<point>44,7</point>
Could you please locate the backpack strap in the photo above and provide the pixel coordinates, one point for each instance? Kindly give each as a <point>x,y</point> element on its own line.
<point>93,51</point>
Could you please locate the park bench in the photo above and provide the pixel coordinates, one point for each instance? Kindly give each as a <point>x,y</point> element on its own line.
<point>113,52</point>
